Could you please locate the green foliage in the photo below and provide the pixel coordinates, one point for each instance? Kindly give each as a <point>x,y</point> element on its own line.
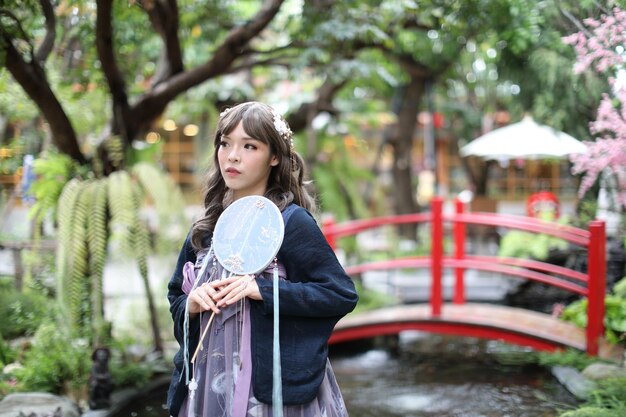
<point>54,359</point>
<point>13,161</point>
<point>590,412</point>
<point>611,394</point>
<point>614,316</point>
<point>341,194</point>
<point>370,299</point>
<point>167,200</point>
<point>14,104</point>
<point>53,171</point>
<point>7,354</point>
<point>97,217</point>
<point>619,289</point>
<point>568,357</point>
<point>519,244</point>
<point>608,399</point>
<point>124,370</point>
<point>22,312</point>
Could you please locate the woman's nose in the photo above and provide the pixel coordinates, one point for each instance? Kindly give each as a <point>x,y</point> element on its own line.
<point>233,155</point>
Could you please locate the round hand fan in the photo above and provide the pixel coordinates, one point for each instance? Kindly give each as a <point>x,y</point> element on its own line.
<point>248,235</point>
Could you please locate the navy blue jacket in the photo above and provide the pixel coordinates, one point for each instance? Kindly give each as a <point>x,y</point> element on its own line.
<point>316,294</point>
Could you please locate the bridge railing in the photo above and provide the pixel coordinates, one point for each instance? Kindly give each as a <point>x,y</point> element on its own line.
<point>590,284</point>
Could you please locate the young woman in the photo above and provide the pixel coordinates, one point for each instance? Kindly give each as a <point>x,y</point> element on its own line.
<point>254,155</point>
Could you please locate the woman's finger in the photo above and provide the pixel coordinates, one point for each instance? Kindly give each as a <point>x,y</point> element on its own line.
<point>203,300</point>
<point>235,291</point>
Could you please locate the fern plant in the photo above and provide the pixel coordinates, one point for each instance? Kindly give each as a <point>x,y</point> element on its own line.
<point>92,212</point>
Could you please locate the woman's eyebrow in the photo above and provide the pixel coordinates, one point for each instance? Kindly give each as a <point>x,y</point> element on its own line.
<point>243,138</point>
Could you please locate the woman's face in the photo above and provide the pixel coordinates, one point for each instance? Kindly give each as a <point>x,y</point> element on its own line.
<point>245,163</point>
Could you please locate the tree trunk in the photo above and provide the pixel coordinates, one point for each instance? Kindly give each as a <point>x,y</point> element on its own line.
<point>402,143</point>
<point>32,78</point>
<point>478,173</point>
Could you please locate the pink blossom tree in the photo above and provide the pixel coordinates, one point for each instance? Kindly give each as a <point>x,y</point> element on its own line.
<point>601,47</point>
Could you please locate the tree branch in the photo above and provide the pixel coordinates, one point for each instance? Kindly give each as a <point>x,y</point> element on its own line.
<point>163,15</point>
<point>276,61</point>
<point>48,41</point>
<point>32,79</point>
<point>324,102</point>
<point>8,38</point>
<point>112,73</point>
<point>574,21</point>
<point>152,104</point>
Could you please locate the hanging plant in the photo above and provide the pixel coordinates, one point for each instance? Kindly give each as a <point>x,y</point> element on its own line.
<point>94,214</point>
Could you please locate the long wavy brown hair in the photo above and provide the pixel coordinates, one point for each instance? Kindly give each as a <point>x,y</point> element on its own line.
<point>285,184</point>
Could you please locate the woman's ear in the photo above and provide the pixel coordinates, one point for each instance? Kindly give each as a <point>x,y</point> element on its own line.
<point>274,161</point>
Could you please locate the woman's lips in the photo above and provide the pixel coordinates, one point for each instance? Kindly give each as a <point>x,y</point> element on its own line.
<point>232,172</point>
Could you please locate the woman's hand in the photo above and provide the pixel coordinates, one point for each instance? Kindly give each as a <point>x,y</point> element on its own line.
<point>202,298</point>
<point>235,288</point>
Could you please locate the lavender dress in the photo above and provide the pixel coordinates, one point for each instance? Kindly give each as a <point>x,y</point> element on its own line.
<point>223,367</point>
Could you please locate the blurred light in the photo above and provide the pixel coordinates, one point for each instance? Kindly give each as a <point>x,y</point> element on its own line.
<point>479,65</point>
<point>152,137</point>
<point>320,120</point>
<point>349,141</point>
<point>169,125</point>
<point>191,130</point>
<point>423,118</point>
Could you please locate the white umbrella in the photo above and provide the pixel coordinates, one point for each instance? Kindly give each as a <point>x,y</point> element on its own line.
<point>523,140</point>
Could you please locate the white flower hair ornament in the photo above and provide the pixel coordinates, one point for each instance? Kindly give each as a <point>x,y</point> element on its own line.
<point>225,111</point>
<point>282,128</point>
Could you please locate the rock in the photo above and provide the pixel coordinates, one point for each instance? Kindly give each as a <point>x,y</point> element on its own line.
<point>598,371</point>
<point>96,413</point>
<point>38,403</point>
<point>574,381</point>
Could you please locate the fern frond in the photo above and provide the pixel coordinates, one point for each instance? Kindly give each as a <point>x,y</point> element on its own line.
<point>65,217</point>
<point>168,201</point>
<point>122,208</point>
<point>97,234</point>
<point>78,287</point>
<point>115,150</point>
<point>53,172</point>
<point>141,237</point>
<point>142,248</point>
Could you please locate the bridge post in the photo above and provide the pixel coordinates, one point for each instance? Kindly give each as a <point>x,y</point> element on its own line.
<point>459,254</point>
<point>328,229</point>
<point>436,258</point>
<point>597,285</point>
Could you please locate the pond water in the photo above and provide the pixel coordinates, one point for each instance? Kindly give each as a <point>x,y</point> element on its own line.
<point>425,375</point>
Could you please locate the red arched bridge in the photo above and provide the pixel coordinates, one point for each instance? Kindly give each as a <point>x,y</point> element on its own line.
<point>513,325</point>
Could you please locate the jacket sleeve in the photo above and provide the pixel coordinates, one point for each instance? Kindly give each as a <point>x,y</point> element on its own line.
<point>316,285</point>
<point>175,295</point>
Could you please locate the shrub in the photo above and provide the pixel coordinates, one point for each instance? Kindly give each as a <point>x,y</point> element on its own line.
<point>22,313</point>
<point>53,360</point>
<point>589,412</point>
<point>569,357</point>
<point>614,316</point>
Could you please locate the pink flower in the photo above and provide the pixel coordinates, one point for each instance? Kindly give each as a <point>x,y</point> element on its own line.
<point>600,53</point>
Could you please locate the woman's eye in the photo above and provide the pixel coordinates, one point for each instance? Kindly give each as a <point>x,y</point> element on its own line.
<point>250,146</point>
<point>223,144</point>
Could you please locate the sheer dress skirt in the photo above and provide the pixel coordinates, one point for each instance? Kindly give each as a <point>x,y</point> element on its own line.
<point>222,371</point>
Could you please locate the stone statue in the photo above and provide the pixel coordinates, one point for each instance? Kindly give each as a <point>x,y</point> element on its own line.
<point>100,383</point>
